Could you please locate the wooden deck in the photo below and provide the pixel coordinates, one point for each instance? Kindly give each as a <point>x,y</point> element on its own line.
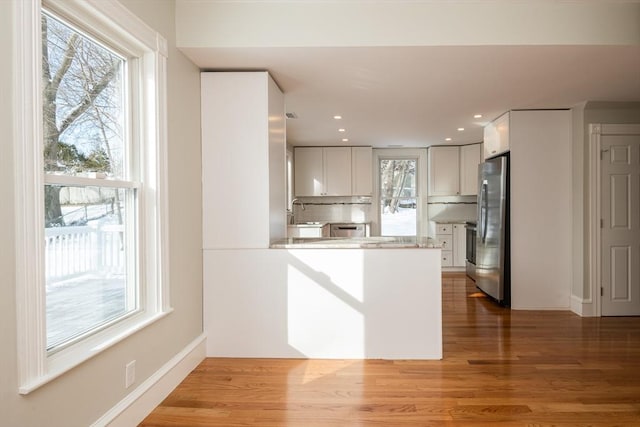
<point>500,368</point>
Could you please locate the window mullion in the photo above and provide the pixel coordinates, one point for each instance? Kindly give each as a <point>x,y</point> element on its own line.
<point>69,180</point>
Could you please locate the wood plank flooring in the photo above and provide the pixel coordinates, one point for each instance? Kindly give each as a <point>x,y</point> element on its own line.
<point>500,368</point>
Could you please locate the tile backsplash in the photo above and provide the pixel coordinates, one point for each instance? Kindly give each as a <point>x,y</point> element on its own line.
<point>333,209</point>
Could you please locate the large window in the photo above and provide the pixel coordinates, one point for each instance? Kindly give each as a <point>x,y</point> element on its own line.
<point>398,197</point>
<point>90,176</point>
<point>90,195</point>
<point>400,180</point>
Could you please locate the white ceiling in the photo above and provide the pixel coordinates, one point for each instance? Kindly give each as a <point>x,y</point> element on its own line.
<point>418,96</point>
<point>417,92</point>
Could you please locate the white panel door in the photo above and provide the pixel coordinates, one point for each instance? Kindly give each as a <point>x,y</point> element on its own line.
<point>620,175</point>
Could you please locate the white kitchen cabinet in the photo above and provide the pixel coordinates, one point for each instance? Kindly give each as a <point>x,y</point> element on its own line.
<point>496,136</point>
<point>361,171</point>
<point>470,158</point>
<point>308,230</point>
<point>453,171</point>
<point>459,245</point>
<point>308,171</point>
<point>451,238</point>
<point>444,171</point>
<point>333,171</point>
<point>337,171</point>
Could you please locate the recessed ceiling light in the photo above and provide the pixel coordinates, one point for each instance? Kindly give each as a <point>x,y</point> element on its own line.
<point>447,139</point>
<point>345,139</point>
<point>460,129</point>
<point>337,117</point>
<point>477,116</point>
<point>341,130</point>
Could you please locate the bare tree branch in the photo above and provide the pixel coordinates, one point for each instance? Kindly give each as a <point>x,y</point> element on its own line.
<point>89,98</point>
<point>69,54</point>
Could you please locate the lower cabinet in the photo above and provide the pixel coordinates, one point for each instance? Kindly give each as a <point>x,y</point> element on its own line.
<point>308,230</point>
<point>452,239</point>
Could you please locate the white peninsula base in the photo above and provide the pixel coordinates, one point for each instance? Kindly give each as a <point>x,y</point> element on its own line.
<point>323,303</point>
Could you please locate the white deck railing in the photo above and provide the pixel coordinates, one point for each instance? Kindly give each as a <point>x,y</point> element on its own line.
<point>72,251</point>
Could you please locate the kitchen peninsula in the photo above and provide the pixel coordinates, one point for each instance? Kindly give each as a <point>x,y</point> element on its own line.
<point>325,298</point>
<point>265,296</point>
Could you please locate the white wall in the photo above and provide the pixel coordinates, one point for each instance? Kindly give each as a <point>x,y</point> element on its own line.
<point>204,23</point>
<point>541,209</point>
<point>243,160</point>
<point>323,303</point>
<point>84,394</point>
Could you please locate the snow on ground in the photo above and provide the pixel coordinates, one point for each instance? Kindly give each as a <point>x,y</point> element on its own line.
<point>400,223</point>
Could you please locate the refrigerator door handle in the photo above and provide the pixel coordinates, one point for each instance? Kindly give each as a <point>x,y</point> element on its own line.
<point>484,210</point>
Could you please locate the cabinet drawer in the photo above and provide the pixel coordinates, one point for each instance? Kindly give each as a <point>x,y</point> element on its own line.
<point>447,259</point>
<point>444,242</point>
<point>444,229</point>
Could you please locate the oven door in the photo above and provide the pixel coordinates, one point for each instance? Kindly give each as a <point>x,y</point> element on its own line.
<point>347,230</point>
<point>471,250</point>
<point>471,243</point>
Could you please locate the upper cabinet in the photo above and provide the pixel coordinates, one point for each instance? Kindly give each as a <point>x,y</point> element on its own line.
<point>470,158</point>
<point>332,171</point>
<point>496,136</point>
<point>308,169</point>
<point>444,171</point>
<point>337,171</point>
<point>361,171</point>
<point>453,171</point>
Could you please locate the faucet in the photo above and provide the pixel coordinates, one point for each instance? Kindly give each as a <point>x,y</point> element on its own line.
<point>291,220</point>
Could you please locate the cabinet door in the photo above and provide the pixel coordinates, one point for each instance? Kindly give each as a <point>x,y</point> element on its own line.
<point>337,171</point>
<point>459,245</point>
<point>469,161</point>
<point>444,171</point>
<point>308,171</point>
<point>361,171</point>
<point>496,136</point>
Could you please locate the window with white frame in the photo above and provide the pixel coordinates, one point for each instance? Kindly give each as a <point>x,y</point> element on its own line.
<point>92,258</point>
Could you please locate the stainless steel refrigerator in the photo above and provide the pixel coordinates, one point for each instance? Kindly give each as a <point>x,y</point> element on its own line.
<point>492,232</point>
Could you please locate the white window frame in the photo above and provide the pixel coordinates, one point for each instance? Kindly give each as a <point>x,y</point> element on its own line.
<point>420,156</point>
<point>106,20</point>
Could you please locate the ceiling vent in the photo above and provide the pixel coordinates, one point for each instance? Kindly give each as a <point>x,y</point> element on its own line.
<point>291,115</point>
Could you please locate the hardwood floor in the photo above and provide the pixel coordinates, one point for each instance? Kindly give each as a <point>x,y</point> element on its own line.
<point>500,368</point>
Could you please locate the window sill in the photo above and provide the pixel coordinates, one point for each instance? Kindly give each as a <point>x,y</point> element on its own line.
<point>65,360</point>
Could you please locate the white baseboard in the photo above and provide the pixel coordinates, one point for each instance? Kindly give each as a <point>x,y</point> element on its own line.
<point>131,410</point>
<point>582,307</point>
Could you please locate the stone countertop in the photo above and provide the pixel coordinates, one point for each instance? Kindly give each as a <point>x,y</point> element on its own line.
<point>323,223</point>
<point>319,224</point>
<point>453,221</point>
<point>376,242</point>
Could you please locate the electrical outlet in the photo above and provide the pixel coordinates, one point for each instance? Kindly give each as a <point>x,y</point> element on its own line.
<point>129,373</point>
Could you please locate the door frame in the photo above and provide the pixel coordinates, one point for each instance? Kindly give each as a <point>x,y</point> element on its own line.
<point>596,130</point>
